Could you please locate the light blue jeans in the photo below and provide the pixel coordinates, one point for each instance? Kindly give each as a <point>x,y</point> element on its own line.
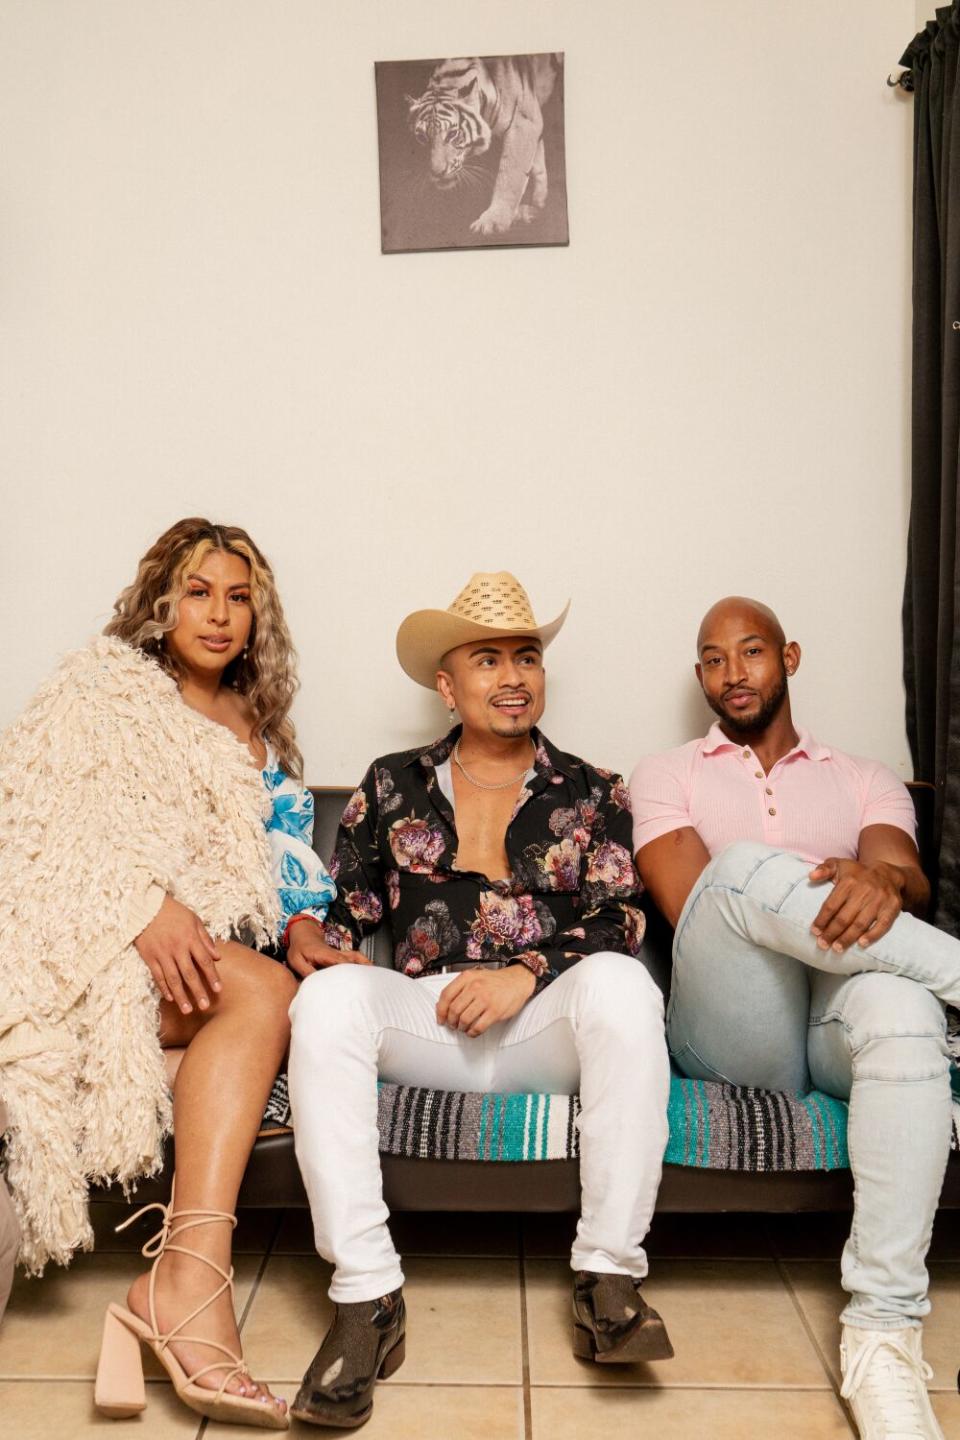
<point>867,1025</point>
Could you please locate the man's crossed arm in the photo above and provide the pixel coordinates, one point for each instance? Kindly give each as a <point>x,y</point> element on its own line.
<point>865,898</point>
<point>869,893</point>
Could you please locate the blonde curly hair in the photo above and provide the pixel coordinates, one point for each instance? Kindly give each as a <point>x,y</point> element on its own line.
<point>146,610</point>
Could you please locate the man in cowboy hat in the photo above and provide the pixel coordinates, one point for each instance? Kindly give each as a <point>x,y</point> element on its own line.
<point>504,867</point>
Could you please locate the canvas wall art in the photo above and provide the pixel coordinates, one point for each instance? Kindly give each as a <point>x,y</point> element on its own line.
<point>472,152</point>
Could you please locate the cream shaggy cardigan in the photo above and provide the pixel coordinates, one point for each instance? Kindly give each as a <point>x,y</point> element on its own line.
<point>113,794</point>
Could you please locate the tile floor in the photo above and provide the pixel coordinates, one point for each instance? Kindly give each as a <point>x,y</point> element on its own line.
<point>751,1304</point>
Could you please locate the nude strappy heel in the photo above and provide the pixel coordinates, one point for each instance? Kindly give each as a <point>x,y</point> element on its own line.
<point>119,1391</point>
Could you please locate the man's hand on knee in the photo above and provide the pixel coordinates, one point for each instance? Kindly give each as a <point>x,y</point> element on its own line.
<point>477,999</point>
<point>861,907</point>
<point>308,951</point>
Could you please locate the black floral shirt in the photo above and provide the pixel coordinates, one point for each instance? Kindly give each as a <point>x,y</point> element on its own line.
<point>573,888</point>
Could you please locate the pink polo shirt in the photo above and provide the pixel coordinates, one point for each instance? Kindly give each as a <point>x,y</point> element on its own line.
<point>814,802</point>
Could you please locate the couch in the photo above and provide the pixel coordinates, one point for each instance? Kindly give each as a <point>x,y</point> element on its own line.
<point>730,1148</point>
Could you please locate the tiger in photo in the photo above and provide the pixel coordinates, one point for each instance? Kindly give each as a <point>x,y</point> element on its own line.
<point>469,103</point>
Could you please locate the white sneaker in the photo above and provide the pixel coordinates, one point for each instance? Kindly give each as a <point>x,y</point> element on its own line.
<point>884,1383</point>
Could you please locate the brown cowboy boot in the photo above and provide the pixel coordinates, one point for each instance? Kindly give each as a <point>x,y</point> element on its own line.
<point>365,1343</point>
<point>613,1324</point>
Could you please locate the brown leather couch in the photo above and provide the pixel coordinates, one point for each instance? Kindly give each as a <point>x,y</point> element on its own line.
<point>272,1178</point>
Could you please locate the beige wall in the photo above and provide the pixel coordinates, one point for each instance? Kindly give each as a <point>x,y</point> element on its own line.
<point>708,391</point>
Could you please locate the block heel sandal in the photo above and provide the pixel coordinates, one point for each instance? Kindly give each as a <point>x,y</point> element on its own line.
<point>119,1391</point>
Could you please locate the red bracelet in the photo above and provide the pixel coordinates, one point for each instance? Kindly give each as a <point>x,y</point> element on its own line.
<point>294,920</point>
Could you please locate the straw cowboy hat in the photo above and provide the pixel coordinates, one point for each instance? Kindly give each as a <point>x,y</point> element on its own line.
<point>489,607</point>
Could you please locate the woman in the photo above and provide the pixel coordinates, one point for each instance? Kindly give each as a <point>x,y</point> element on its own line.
<point>151,813</point>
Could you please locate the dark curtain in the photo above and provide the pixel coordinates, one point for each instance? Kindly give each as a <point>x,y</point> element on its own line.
<point>931,605</point>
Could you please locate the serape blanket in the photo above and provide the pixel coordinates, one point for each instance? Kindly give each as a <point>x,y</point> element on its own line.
<point>712,1126</point>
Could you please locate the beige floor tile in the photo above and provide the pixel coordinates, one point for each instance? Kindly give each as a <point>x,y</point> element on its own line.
<point>732,1322</point>
<point>463,1320</point>
<point>817,1286</point>
<point>52,1326</point>
<point>421,1412</point>
<point>683,1414</point>
<point>253,1235</point>
<point>439,1412</point>
<point>288,1317</point>
<point>43,1410</point>
<point>420,1233</point>
<point>947,1410</point>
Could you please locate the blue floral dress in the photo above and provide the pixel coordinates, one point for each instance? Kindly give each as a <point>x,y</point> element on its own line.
<point>301,879</point>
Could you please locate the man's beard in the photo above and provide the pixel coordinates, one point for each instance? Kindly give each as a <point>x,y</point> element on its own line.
<point>750,724</point>
<point>518,726</point>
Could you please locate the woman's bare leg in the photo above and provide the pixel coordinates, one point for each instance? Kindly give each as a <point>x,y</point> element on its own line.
<point>233,1053</point>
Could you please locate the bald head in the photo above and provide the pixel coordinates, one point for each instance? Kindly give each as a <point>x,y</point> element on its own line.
<point>757,619</point>
<point>743,663</point>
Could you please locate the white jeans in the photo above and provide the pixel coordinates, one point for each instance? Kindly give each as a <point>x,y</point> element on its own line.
<point>597,1028</point>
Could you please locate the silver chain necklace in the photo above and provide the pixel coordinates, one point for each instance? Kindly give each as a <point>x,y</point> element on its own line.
<point>505,785</point>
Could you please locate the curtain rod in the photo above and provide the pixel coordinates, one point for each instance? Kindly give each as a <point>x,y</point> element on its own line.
<point>917,53</point>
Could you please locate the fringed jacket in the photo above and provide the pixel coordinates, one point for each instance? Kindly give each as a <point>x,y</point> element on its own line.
<point>113,793</point>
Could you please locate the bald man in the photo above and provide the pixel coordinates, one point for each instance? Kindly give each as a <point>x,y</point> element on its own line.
<point>790,873</point>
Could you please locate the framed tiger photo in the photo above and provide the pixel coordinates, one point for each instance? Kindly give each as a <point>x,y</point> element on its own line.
<point>471,152</point>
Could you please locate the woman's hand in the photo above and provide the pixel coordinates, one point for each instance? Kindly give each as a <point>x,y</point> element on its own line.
<point>180,956</point>
<point>308,951</point>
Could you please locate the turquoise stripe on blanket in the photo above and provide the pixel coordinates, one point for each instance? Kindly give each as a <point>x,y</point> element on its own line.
<point>712,1126</point>
<point>829,1130</point>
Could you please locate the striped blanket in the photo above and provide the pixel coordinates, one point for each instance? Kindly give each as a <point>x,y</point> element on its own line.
<point>713,1126</point>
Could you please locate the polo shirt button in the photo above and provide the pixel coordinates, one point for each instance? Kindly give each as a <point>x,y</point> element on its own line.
<point>758,774</point>
<point>768,791</point>
<point>771,811</point>
<point>746,754</point>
